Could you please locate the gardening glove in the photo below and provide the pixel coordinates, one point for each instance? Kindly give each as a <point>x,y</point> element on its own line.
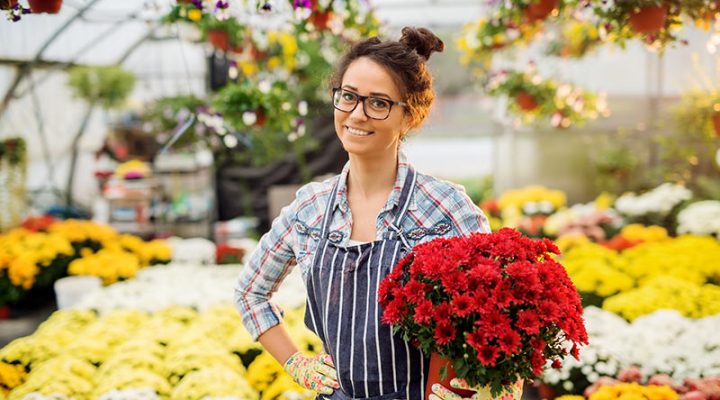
<point>313,372</point>
<point>481,392</point>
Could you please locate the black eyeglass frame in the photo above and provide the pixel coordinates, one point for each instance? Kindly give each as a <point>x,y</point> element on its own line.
<point>362,99</point>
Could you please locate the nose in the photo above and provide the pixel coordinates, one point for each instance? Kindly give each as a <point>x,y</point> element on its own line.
<point>359,112</point>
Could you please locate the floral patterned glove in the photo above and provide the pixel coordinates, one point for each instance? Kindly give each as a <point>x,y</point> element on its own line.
<point>313,372</point>
<point>481,393</point>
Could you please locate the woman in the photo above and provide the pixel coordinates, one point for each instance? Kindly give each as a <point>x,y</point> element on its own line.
<point>347,232</point>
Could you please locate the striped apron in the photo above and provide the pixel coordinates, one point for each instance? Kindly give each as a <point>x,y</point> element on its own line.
<point>343,310</point>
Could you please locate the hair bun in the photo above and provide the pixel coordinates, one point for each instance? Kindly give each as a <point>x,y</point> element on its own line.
<point>422,40</point>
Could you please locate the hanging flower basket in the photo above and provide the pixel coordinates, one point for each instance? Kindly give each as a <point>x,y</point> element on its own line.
<point>540,9</point>
<point>435,376</point>
<point>45,6</point>
<point>648,20</point>
<point>716,123</point>
<point>219,39</point>
<point>526,101</point>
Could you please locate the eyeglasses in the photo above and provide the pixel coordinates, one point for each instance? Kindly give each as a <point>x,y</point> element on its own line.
<point>373,107</point>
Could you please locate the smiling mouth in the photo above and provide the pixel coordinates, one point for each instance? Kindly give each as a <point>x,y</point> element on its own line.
<point>358,132</point>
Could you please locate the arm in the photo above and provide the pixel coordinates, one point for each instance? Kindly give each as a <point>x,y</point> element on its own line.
<point>268,265</point>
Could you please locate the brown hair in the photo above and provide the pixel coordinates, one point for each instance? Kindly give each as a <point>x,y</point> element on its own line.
<point>405,61</point>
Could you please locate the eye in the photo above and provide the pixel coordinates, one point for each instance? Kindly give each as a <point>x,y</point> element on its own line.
<point>380,104</point>
<point>347,96</point>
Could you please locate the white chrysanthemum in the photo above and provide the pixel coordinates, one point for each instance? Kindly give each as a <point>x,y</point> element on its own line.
<point>701,218</point>
<point>660,200</point>
<point>193,286</point>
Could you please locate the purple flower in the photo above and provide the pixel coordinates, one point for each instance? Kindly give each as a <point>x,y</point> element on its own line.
<point>266,7</point>
<point>198,4</point>
<point>301,4</point>
<point>221,5</point>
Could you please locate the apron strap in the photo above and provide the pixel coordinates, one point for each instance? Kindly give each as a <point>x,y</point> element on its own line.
<point>403,202</point>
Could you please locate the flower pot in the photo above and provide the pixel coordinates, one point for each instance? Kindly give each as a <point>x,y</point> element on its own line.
<point>526,101</point>
<point>261,118</point>
<point>45,6</point>
<point>545,392</point>
<point>716,123</point>
<point>219,39</point>
<point>434,376</point>
<point>7,4</point>
<point>648,20</point>
<point>321,19</point>
<point>540,9</point>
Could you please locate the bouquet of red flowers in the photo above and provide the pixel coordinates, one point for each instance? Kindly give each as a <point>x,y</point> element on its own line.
<point>497,305</point>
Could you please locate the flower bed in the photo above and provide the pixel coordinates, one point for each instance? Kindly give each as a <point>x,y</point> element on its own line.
<point>661,343</point>
<point>33,261</point>
<point>175,353</point>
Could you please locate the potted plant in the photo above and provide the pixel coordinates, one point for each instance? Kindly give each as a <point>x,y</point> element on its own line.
<point>538,10</point>
<point>529,11</point>
<point>224,34</point>
<point>533,97</point>
<point>267,116</point>
<point>646,18</point>
<point>495,305</point>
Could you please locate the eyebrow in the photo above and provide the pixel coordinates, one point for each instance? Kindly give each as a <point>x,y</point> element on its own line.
<point>371,93</point>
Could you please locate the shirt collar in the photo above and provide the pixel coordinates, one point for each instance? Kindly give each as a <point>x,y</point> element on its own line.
<point>403,166</point>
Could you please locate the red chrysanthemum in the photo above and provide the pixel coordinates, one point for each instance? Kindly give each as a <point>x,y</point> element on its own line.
<point>424,312</point>
<point>444,333</point>
<point>463,305</point>
<point>528,322</point>
<point>499,298</point>
<point>488,355</point>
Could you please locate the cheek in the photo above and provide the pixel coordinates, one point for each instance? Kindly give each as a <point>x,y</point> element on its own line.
<point>339,117</point>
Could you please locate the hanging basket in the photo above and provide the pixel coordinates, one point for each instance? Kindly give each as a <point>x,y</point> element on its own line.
<point>434,376</point>
<point>526,101</point>
<point>219,39</point>
<point>540,9</point>
<point>45,6</point>
<point>716,123</point>
<point>648,20</point>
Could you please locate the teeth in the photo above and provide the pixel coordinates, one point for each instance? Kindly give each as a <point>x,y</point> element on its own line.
<point>357,132</point>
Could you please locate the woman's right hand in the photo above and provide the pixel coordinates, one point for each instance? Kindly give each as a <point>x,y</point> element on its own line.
<point>313,372</point>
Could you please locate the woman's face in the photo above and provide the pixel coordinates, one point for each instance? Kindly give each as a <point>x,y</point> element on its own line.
<point>359,134</point>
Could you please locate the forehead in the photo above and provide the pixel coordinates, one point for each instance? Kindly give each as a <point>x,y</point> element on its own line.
<point>367,77</point>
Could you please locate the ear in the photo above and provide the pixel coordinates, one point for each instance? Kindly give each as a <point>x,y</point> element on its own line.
<point>406,125</point>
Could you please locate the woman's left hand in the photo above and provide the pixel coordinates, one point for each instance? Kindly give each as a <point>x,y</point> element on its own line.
<point>440,392</point>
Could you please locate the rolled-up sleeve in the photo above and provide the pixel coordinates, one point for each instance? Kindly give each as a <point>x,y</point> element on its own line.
<point>267,266</point>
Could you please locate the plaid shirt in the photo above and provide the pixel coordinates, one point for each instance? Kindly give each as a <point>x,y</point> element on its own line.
<point>437,209</point>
